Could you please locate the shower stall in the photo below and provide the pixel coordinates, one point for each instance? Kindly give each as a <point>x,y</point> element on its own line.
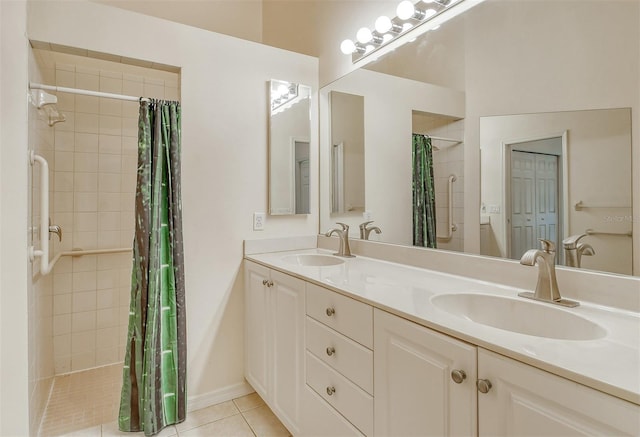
<point>86,136</point>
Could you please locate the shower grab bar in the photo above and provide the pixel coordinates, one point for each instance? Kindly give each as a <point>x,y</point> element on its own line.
<point>451,226</point>
<point>616,234</point>
<point>580,206</point>
<point>77,253</point>
<point>43,253</point>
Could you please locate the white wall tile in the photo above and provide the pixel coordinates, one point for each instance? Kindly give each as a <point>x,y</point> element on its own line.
<point>82,342</point>
<point>110,125</point>
<point>128,182</point>
<point>110,107</point>
<point>127,221</point>
<point>132,88</point>
<point>69,123</point>
<point>87,123</point>
<point>85,240</point>
<point>89,82</point>
<point>85,263</point>
<point>108,318</point>
<point>61,324</point>
<point>87,104</point>
<point>106,356</point>
<point>108,261</point>
<point>65,78</point>
<point>109,202</point>
<point>130,146</point>
<point>126,238</point>
<point>62,283</point>
<point>109,182</point>
<point>107,279</point>
<point>62,304</point>
<point>66,102</point>
<point>85,162</point>
<point>64,161</point>
<point>130,127</point>
<point>109,239</point>
<point>108,298</point>
<point>131,109</point>
<point>86,142</point>
<point>109,163</point>
<point>64,141</point>
<point>63,202</point>
<point>129,164</point>
<point>83,360</point>
<point>85,202</point>
<point>86,182</point>
<point>85,222</point>
<point>109,221</point>
<point>83,321</point>
<point>111,144</point>
<point>64,264</point>
<point>83,284</point>
<point>110,84</point>
<point>62,344</point>
<point>62,364</point>
<point>127,201</point>
<point>63,181</point>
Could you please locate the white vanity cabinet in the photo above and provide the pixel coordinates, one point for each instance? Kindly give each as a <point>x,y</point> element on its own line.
<point>339,363</point>
<point>274,340</point>
<point>415,391</point>
<point>524,400</point>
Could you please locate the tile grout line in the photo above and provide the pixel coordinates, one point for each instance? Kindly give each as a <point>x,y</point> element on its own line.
<point>248,424</point>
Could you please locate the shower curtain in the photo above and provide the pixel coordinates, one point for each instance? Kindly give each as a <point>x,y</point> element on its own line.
<point>154,376</point>
<point>424,204</point>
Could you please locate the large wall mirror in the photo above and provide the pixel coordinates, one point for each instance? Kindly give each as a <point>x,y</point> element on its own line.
<point>500,91</point>
<point>289,136</point>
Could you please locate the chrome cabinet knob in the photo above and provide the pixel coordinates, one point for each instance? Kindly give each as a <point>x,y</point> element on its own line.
<point>330,311</point>
<point>458,376</point>
<point>265,281</point>
<point>331,350</point>
<point>270,284</point>
<point>331,391</point>
<point>484,385</point>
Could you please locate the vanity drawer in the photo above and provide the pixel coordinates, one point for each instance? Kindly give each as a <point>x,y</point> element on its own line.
<point>347,316</point>
<point>341,353</point>
<point>350,400</point>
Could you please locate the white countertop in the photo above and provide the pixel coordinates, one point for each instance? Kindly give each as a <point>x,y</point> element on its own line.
<point>610,364</point>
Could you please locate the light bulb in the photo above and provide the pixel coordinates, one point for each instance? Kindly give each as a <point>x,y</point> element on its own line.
<point>347,47</point>
<point>283,90</point>
<point>364,35</point>
<point>369,48</point>
<point>429,13</point>
<point>405,10</point>
<point>387,37</point>
<point>406,26</point>
<point>428,1</point>
<point>383,24</point>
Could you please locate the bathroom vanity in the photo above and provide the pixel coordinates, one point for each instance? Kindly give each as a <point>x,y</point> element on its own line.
<point>363,346</point>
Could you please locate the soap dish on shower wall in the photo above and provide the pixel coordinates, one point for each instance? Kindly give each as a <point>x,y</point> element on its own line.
<point>47,102</point>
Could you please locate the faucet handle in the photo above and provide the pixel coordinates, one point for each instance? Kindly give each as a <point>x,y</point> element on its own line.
<point>547,245</point>
<point>365,224</point>
<point>345,227</point>
<point>572,241</point>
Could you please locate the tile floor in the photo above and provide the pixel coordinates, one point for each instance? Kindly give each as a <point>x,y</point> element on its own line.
<point>86,404</point>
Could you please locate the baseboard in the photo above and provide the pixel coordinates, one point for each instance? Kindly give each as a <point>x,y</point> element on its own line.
<point>217,396</point>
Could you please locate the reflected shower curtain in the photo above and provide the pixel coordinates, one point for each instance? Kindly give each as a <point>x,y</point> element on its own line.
<point>424,204</point>
<point>154,377</point>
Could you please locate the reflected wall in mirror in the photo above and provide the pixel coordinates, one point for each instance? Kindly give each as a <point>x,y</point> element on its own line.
<point>556,175</point>
<point>347,155</point>
<point>500,58</point>
<point>289,135</point>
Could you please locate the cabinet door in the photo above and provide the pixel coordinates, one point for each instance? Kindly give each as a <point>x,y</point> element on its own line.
<point>257,332</point>
<point>288,315</point>
<point>414,391</point>
<point>524,400</point>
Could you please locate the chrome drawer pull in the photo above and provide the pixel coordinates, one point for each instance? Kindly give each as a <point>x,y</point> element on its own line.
<point>484,385</point>
<point>331,390</point>
<point>331,350</point>
<point>265,281</point>
<point>458,376</point>
<point>330,311</point>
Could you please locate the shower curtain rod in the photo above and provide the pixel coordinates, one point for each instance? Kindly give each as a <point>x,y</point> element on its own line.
<point>40,86</point>
<point>453,140</point>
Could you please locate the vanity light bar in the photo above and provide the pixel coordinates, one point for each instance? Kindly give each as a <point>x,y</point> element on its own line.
<point>409,16</point>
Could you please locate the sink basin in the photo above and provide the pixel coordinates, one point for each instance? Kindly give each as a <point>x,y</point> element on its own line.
<point>314,260</point>
<point>519,315</point>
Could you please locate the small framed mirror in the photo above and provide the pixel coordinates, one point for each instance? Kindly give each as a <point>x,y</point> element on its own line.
<point>289,136</point>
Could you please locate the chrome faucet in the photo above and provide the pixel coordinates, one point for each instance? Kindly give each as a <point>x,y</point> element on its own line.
<point>574,250</point>
<point>55,229</point>
<point>547,286</point>
<point>365,230</point>
<point>343,234</point>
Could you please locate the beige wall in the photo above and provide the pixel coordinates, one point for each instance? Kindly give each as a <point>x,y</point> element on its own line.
<point>224,123</point>
<point>239,18</point>
<point>14,276</point>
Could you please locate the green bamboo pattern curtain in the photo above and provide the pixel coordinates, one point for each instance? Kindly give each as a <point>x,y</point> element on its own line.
<point>154,377</point>
<point>424,204</point>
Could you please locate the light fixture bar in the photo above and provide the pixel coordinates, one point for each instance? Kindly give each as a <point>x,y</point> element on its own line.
<point>410,16</point>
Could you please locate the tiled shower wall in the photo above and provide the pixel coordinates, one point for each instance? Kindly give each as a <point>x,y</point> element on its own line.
<point>446,161</point>
<point>94,199</point>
